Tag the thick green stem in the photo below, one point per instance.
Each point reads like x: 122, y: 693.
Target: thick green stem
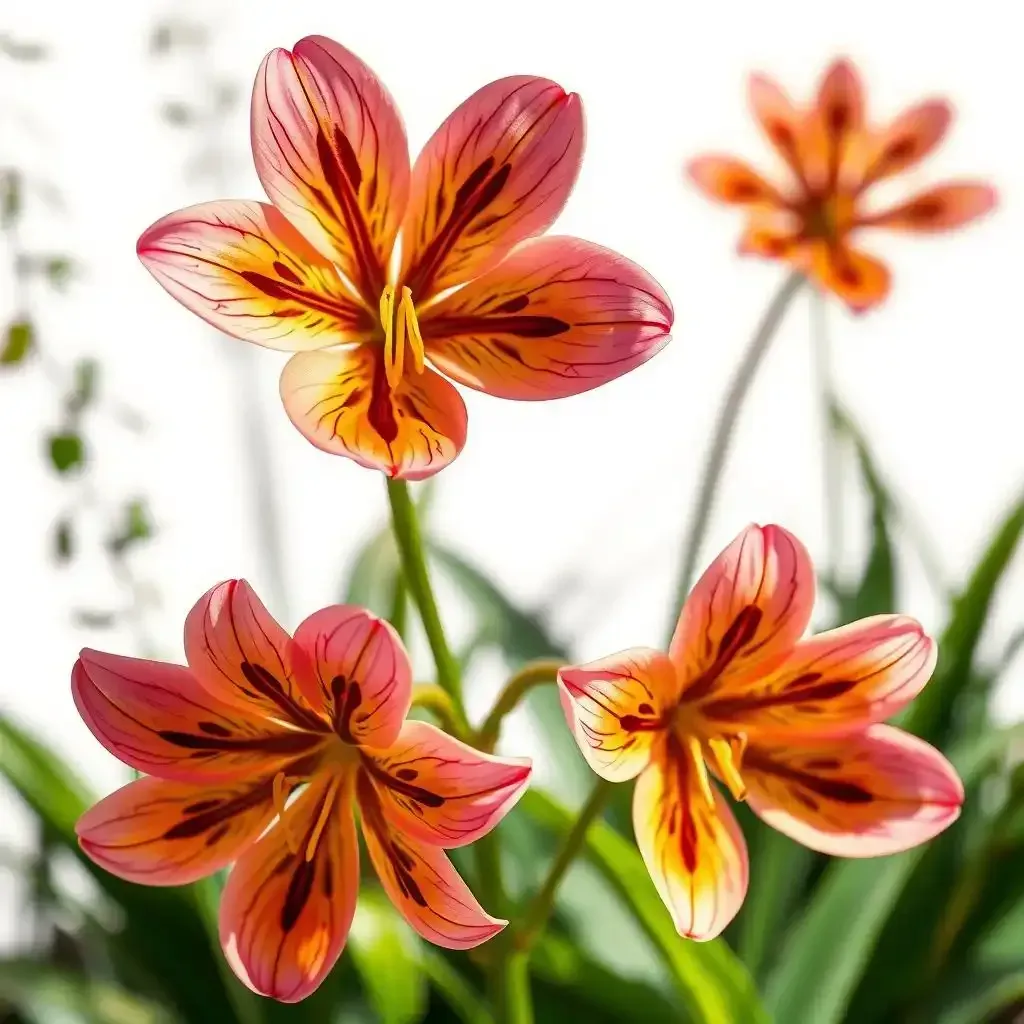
x: 539, y: 911
x: 414, y: 569
x: 531, y: 675
x: 725, y: 425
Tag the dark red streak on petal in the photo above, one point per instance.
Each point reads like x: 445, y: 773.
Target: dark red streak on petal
x: 288, y: 291
x: 403, y: 785
x: 380, y: 411
x: 740, y: 633
x: 204, y: 815
x: 278, y: 743
x: 680, y: 822
x: 267, y: 684
x: 519, y: 326
x: 402, y: 862
x: 735, y: 707
x: 831, y: 789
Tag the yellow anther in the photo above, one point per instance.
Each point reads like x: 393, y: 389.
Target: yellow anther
x: 400, y: 326
x: 697, y: 761
x: 321, y: 821
x: 413, y: 325
x: 280, y: 797
x: 726, y: 756
x: 387, y: 321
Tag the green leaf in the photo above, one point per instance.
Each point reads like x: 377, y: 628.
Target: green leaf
x: 374, y: 574
x: 389, y: 960
x: 10, y: 191
x: 59, y: 271
x: 135, y: 527
x: 461, y: 997
x: 18, y: 343
x: 63, y: 540
x: 711, y: 982
x: 66, y: 451
x: 84, y: 393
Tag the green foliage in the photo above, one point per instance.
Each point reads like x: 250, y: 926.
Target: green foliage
x: 18, y: 343
x: 67, y: 451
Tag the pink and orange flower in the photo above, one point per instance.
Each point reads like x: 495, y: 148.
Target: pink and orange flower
x: 791, y: 725
x: 369, y: 269
x: 259, y: 753
x: 835, y: 156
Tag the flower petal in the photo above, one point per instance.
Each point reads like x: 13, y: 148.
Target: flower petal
x: 421, y: 882
x: 772, y: 233
x: 244, y: 269
x: 158, y: 719
x: 558, y: 317
x: 866, y: 795
x: 908, y: 140
x: 939, y: 209
x: 440, y: 791
x: 858, y: 279
x: 835, y: 682
x: 696, y: 855
x: 785, y: 125
x: 745, y: 613
x: 342, y: 403
x: 498, y: 171
x: 836, y: 126
x: 617, y: 706
x: 331, y: 151
x: 242, y: 656
x: 354, y: 670
x: 284, y: 916
x: 732, y: 181
x: 157, y: 832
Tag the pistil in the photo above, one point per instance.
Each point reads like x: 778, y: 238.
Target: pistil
x: 400, y: 326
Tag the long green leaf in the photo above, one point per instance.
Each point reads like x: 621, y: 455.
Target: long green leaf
x: 712, y: 983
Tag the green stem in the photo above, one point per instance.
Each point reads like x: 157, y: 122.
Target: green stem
x: 438, y: 703
x: 539, y: 911
x: 827, y: 397
x: 414, y: 570
x: 531, y: 675
x: 728, y: 415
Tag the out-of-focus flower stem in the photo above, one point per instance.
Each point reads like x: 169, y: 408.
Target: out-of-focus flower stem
x: 728, y: 416
x: 826, y: 397
x: 531, y: 675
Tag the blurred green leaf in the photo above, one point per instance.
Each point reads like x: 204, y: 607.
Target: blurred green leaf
x: 59, y: 271
x: 18, y: 343
x: 83, y: 391
x: 63, y: 539
x: 177, y: 113
x: 388, y: 957
x: 135, y: 526
x: 66, y: 451
x: 712, y: 983
x: 373, y: 575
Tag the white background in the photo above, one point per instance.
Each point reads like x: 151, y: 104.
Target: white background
x: 595, y: 486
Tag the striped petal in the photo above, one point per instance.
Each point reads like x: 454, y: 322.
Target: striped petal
x: 421, y: 882
x: 617, y: 707
x: 440, y: 791
x: 355, y: 672
x: 342, y: 402
x: 331, y: 151
x: 558, y: 317
x: 836, y: 126
x: 694, y: 851
x: 859, y: 280
x: 942, y: 208
x: 244, y: 269
x: 732, y: 181
x: 786, y: 127
x: 160, y: 720
x: 287, y: 907
x: 498, y: 171
x: 745, y: 613
x: 157, y: 832
x: 907, y: 141
x: 866, y: 795
x: 835, y: 682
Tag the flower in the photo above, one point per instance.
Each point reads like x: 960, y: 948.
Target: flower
x: 369, y: 270
x: 835, y: 157
x: 229, y: 740
x: 789, y: 725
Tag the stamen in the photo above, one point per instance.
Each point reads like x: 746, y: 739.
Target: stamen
x: 413, y: 325
x: 387, y: 321
x: 727, y: 754
x: 697, y: 760
x: 280, y: 797
x: 321, y: 822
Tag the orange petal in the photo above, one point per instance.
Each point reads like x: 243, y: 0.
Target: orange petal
x: 499, y: 170
x: 331, y: 152
x: 835, y: 682
x: 244, y: 269
x: 342, y: 402
x: 617, y: 706
x: 695, y: 853
x: 157, y: 832
x: 772, y: 233
x: 242, y: 656
x: 837, y: 123
x: 858, y: 279
x: 441, y: 791
x: 866, y: 795
x: 158, y: 719
x: 284, y: 917
x: 421, y: 882
x: 354, y: 670
x: 732, y: 181
x: 745, y: 613
x: 558, y: 317
x: 939, y: 209
x: 909, y: 139
x: 785, y: 125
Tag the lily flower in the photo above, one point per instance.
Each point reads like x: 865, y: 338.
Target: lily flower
x: 259, y: 753
x: 792, y: 726
x: 377, y: 274
x: 835, y: 156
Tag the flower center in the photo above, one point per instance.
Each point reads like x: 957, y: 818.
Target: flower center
x: 400, y: 326
x: 829, y: 216
x: 721, y: 753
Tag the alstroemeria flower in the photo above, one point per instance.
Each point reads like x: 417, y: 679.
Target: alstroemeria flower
x: 373, y: 272
x: 790, y: 725
x: 256, y: 719
x: 835, y: 156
